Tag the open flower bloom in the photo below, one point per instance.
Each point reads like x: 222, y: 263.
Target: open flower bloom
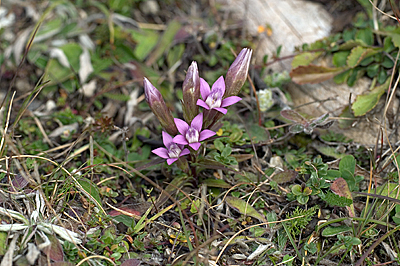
x: 212, y: 99
x: 172, y: 151
x: 192, y: 134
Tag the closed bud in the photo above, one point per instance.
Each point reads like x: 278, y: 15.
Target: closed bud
x: 159, y: 108
x: 237, y: 73
x: 191, y: 93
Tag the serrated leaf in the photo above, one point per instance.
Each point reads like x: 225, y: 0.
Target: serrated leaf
x: 366, y: 102
x: 244, y: 208
x: 305, y: 58
x: 358, y: 53
x: 314, y: 74
x: 91, y: 189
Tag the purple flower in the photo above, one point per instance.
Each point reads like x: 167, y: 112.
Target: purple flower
x: 191, y: 92
x: 157, y: 105
x: 237, y: 72
x: 212, y: 99
x: 172, y: 152
x: 192, y: 134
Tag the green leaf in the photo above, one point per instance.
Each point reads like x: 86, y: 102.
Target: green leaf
x: 332, y: 231
x: 146, y: 41
x: 175, y: 54
x: 244, y: 208
x: 219, y: 145
x: 314, y: 74
x: 347, y: 163
x: 3, y: 243
x: 342, y: 77
x: 366, y: 35
x: 216, y: 183
x: 226, y: 151
x: 339, y: 59
x: 358, y: 53
x: 165, y: 43
x: 366, y: 102
x: 305, y: 58
x: 258, y: 133
x: 90, y: 188
x: 284, y: 176
x: 350, y: 44
x: 296, y: 190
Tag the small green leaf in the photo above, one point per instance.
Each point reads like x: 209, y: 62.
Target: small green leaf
x: 146, y: 41
x: 347, y: 163
x: 216, y: 183
x: 226, y: 151
x: 366, y: 35
x: 305, y: 58
x: 296, y: 190
x: 219, y: 145
x: 332, y: 231
x: 258, y: 133
x: 244, y: 208
x: 366, y: 102
x: 339, y: 59
x: 90, y: 188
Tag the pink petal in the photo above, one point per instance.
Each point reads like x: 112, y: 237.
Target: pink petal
x: 205, y: 134
x: 204, y: 89
x: 230, y: 100
x: 202, y: 104
x: 184, y: 152
x: 179, y: 139
x: 219, y: 84
x: 181, y: 125
x: 197, y: 122
x: 222, y: 110
x: 162, y: 152
x: 167, y: 139
x: 171, y: 161
x: 195, y: 145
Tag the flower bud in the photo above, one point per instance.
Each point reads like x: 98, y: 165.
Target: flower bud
x: 159, y: 108
x: 237, y: 73
x: 191, y: 92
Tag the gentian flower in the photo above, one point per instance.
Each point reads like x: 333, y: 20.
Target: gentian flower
x: 192, y: 134
x: 157, y: 105
x: 212, y: 99
x: 172, y: 152
x: 237, y: 72
x: 191, y: 92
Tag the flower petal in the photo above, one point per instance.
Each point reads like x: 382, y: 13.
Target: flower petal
x: 167, y: 139
x: 181, y: 125
x: 171, y: 161
x: 179, y: 139
x: 205, y: 134
x: 204, y: 89
x: 230, y: 100
x: 184, y: 152
x: 197, y: 122
x: 162, y: 152
x: 202, y: 104
x: 195, y: 145
x: 222, y: 110
x: 219, y: 84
